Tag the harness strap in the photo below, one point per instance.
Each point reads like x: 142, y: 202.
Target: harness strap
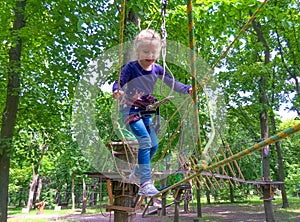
x: 141, y: 103
x: 137, y: 116
x: 151, y: 106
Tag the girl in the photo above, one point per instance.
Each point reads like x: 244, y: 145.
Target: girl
x: 137, y: 81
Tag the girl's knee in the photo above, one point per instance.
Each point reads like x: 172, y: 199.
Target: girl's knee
x: 153, y: 151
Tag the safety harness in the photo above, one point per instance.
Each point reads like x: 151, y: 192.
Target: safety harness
x: 147, y: 105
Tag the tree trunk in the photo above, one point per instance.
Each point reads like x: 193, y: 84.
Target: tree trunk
x: 207, y: 194
x: 84, y: 198
x: 31, y: 190
x: 131, y: 18
x: 269, y: 213
x: 285, y: 203
x: 20, y: 198
x: 9, y: 114
x: 73, y: 191
x: 263, y: 117
x: 35, y: 177
x: 38, y: 190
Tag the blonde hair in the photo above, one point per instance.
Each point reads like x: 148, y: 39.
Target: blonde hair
x: 145, y: 36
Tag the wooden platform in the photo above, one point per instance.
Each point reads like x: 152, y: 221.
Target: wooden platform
x: 103, y: 176
x: 120, y: 208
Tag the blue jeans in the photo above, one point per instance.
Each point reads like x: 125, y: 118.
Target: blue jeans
x: 145, y: 134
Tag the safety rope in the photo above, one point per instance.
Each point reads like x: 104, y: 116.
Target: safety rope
x: 120, y: 60
x: 164, y: 35
x: 127, y: 149
x: 193, y: 73
x: 122, y: 27
x: 164, y: 47
x: 191, y: 27
x: 163, y: 23
x: 243, y: 29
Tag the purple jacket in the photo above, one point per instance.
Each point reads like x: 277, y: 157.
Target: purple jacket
x: 135, y: 80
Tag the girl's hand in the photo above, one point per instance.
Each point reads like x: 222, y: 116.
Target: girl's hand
x: 117, y: 94
x: 190, y: 91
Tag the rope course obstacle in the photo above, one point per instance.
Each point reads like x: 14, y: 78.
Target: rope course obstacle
x: 196, y: 162
x: 255, y: 147
x: 204, y: 170
x: 200, y: 171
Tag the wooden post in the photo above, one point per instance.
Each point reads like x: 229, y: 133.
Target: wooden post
x: 231, y: 192
x: 125, y: 194
x: 163, y: 204
x: 109, y: 191
x: 177, y: 195
x: 199, y: 210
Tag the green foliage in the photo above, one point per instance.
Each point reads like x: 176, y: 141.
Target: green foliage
x: 290, y: 151
x: 292, y: 179
x: 60, y: 38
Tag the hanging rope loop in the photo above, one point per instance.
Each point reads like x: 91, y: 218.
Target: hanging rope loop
x: 164, y: 46
x: 122, y: 27
x: 163, y: 24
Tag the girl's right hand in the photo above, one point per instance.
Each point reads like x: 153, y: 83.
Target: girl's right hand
x: 118, y: 94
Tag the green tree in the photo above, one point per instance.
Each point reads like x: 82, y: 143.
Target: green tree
x: 60, y: 39
x: 9, y: 114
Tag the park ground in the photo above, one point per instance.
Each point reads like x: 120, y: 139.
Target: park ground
x: 244, y: 212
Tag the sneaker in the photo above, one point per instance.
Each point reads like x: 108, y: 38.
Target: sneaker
x: 133, y: 178
x: 147, y: 189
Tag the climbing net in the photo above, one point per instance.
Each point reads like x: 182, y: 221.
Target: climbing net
x: 179, y: 147
x: 183, y: 145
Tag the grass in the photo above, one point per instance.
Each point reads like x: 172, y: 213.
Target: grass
x: 292, y: 211
x: 290, y: 214
x: 251, y: 205
x: 45, y: 217
x: 16, y: 211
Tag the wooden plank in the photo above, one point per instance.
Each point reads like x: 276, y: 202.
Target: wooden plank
x: 103, y: 176
x: 120, y: 208
x: 131, y: 143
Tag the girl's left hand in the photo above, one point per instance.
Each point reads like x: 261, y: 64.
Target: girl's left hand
x: 190, y: 91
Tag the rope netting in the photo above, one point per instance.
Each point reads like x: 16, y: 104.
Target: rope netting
x: 185, y: 143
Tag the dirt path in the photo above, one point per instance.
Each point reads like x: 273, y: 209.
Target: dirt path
x: 215, y: 213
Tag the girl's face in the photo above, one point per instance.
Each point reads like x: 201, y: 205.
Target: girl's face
x: 148, y: 52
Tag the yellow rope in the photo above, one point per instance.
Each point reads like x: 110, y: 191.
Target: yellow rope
x: 206, y: 79
x: 120, y: 64
x: 122, y: 25
x: 258, y: 146
x: 243, y: 29
x: 193, y: 74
